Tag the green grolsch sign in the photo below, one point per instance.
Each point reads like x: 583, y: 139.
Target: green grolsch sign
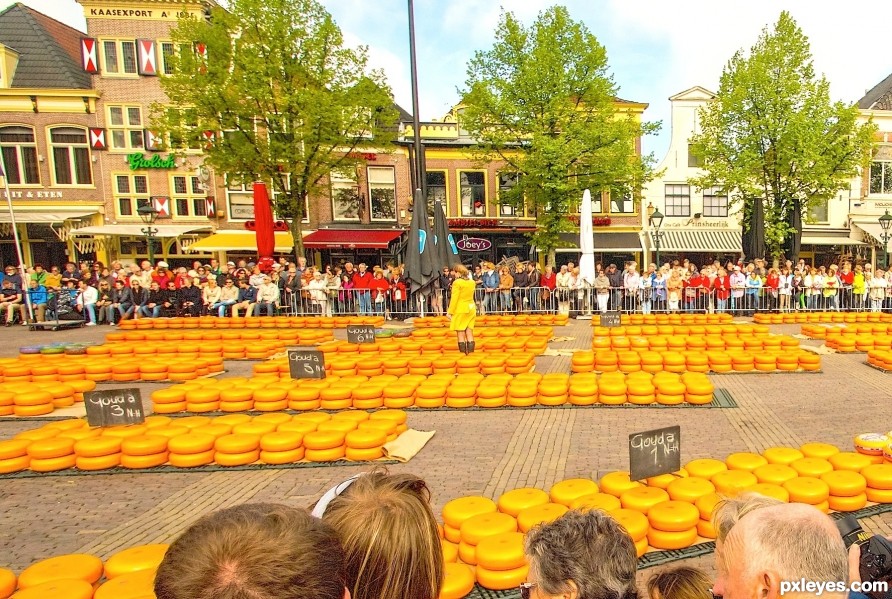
x: 139, y: 161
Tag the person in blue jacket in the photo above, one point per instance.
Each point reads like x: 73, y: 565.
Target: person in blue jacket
x: 37, y: 295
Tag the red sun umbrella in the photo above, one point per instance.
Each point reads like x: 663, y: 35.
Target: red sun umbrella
x: 263, y: 227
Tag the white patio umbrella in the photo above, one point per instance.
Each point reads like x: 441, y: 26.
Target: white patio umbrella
x: 587, y: 247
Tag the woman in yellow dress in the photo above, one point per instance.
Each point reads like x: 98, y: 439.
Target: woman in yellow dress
x: 462, y: 309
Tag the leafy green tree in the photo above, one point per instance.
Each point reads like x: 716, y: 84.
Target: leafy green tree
x: 288, y: 103
x: 542, y: 100
x: 775, y: 140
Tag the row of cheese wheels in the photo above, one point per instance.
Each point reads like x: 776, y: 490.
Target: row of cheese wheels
x: 820, y: 331
x: 670, y: 511
x: 875, y: 444
x: 447, y: 363
x: 40, y: 398
x: 695, y: 361
x: 497, y: 320
x: 179, y: 367
x: 299, y: 336
x: 395, y: 346
x: 813, y: 317
x: 696, y: 342
x: 683, y: 330
x: 261, y: 322
x: 674, y: 318
x: 230, y: 440
x: 127, y: 574
x: 230, y: 350
x: 881, y: 358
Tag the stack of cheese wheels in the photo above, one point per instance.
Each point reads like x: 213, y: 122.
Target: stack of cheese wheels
x: 872, y: 444
x: 458, y: 581
x: 326, y: 443
x: 237, y: 448
x: 191, y: 449
x: 673, y: 524
x: 501, y: 564
x: 478, y: 527
x: 33, y: 403
x: 73, y: 574
x: 144, y: 451
x: 49, y: 455
x: 281, y: 446
x: 692, y: 489
x: 456, y: 513
x: 98, y: 453
x: 879, y: 482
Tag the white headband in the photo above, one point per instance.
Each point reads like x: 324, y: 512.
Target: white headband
x: 322, y: 504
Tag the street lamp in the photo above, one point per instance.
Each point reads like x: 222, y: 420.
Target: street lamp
x: 656, y: 221
x: 885, y: 223
x: 148, y: 214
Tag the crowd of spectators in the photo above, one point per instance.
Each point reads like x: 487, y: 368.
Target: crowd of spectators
x: 374, y: 536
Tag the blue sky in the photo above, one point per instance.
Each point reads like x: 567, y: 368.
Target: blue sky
x: 655, y: 48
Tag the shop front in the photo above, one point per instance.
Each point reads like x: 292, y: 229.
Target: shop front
x: 698, y: 245
x: 129, y: 243
x: 826, y: 247
x: 374, y: 247
x: 611, y: 247
x: 44, y: 232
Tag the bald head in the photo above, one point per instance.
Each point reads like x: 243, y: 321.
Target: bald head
x: 778, y: 544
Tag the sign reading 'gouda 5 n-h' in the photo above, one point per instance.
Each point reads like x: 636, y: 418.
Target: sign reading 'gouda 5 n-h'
x: 136, y: 10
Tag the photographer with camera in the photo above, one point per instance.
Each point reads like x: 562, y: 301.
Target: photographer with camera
x: 870, y: 559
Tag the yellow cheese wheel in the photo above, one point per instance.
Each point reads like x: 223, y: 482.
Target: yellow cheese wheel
x: 879, y: 495
x: 135, y: 559
x: 514, y: 502
x: 233, y: 419
x: 13, y: 448
x: 169, y: 408
x: 849, y: 460
x: 689, y: 489
x: 878, y: 476
x: 847, y: 504
x: 33, y: 398
x: 191, y: 460
x: 662, y: 481
x: 397, y: 416
x: 81, y: 433
x: 103, y: 462
x: 191, y: 443
x: 814, y: 467
x: 732, y: 482
x: 642, y: 499
x: 57, y: 589
x: 770, y: 490
x: 55, y: 447
x: 450, y: 551
x: 501, y: 552
x: 123, y: 432
x: 483, y: 525
x: 136, y: 462
x: 281, y: 441
x: 142, y: 445
x: 596, y: 501
x: 634, y: 522
x: 364, y: 455
x: 7, y: 581
x: 76, y: 566
x: 673, y: 516
x: 871, y: 443
x: 782, y: 455
x: 237, y: 443
x: 501, y: 580
x: 660, y: 539
x: 744, y: 461
x: 320, y: 440
x: 467, y: 553
x: 37, y: 434
x: 775, y: 474
x: 706, y: 504
x: 53, y: 464
x: 705, y: 468
x: 845, y: 483
x: 237, y: 459
x: 453, y: 535
x: 458, y: 581
x: 325, y: 455
x: 819, y: 450
x: 806, y: 489
x: 539, y: 514
x: 135, y: 585
x: 455, y: 512
x: 38, y: 410
x: 282, y: 457
x: 18, y: 464
x: 568, y: 491
x: 706, y: 530
x: 641, y: 547
x: 365, y: 438
x: 617, y: 483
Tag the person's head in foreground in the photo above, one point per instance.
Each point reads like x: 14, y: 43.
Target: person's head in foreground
x: 389, y: 534
x: 776, y: 550
x: 680, y: 582
x: 254, y: 551
x: 581, y: 555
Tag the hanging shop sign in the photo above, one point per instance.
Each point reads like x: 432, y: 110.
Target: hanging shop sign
x: 139, y: 161
x: 473, y: 244
x: 484, y: 223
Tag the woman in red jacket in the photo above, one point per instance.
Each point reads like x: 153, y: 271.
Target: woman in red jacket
x: 379, y: 289
x: 721, y: 286
x: 397, y: 296
x: 772, y: 284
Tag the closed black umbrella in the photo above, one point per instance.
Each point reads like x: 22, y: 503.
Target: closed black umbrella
x: 446, y: 252
x: 794, y: 240
x: 419, y: 260
x: 754, y: 230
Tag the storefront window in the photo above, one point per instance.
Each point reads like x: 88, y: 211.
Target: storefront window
x: 473, y: 193
x: 19, y: 155
x: 71, y: 156
x: 382, y: 192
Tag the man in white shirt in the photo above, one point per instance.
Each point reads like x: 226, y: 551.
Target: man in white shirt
x: 267, y: 297
x: 632, y: 287
x: 87, y: 297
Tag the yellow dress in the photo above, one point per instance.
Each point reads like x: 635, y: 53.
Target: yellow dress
x: 462, y: 307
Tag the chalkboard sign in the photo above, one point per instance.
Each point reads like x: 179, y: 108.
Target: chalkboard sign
x: 306, y: 364
x: 611, y: 319
x: 655, y: 452
x: 361, y: 333
x: 112, y: 407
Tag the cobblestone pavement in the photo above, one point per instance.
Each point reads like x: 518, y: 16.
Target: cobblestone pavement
x: 475, y: 452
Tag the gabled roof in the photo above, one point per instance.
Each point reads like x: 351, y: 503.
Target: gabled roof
x: 49, y: 51
x: 693, y: 93
x: 878, y: 98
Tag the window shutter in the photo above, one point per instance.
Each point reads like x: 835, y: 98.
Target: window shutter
x: 98, y: 140
x: 148, y: 59
x: 153, y: 142
x: 162, y: 205
x: 88, y: 53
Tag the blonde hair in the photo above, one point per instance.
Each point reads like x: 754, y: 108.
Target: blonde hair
x: 461, y: 270
x: 389, y: 533
x: 682, y: 582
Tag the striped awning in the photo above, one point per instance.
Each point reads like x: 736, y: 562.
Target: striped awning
x: 699, y: 240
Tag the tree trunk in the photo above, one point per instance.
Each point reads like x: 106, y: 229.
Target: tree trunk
x: 297, y: 233
x: 794, y: 240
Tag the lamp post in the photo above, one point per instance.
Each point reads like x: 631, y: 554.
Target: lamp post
x: 885, y: 224
x: 148, y: 214
x: 656, y: 221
